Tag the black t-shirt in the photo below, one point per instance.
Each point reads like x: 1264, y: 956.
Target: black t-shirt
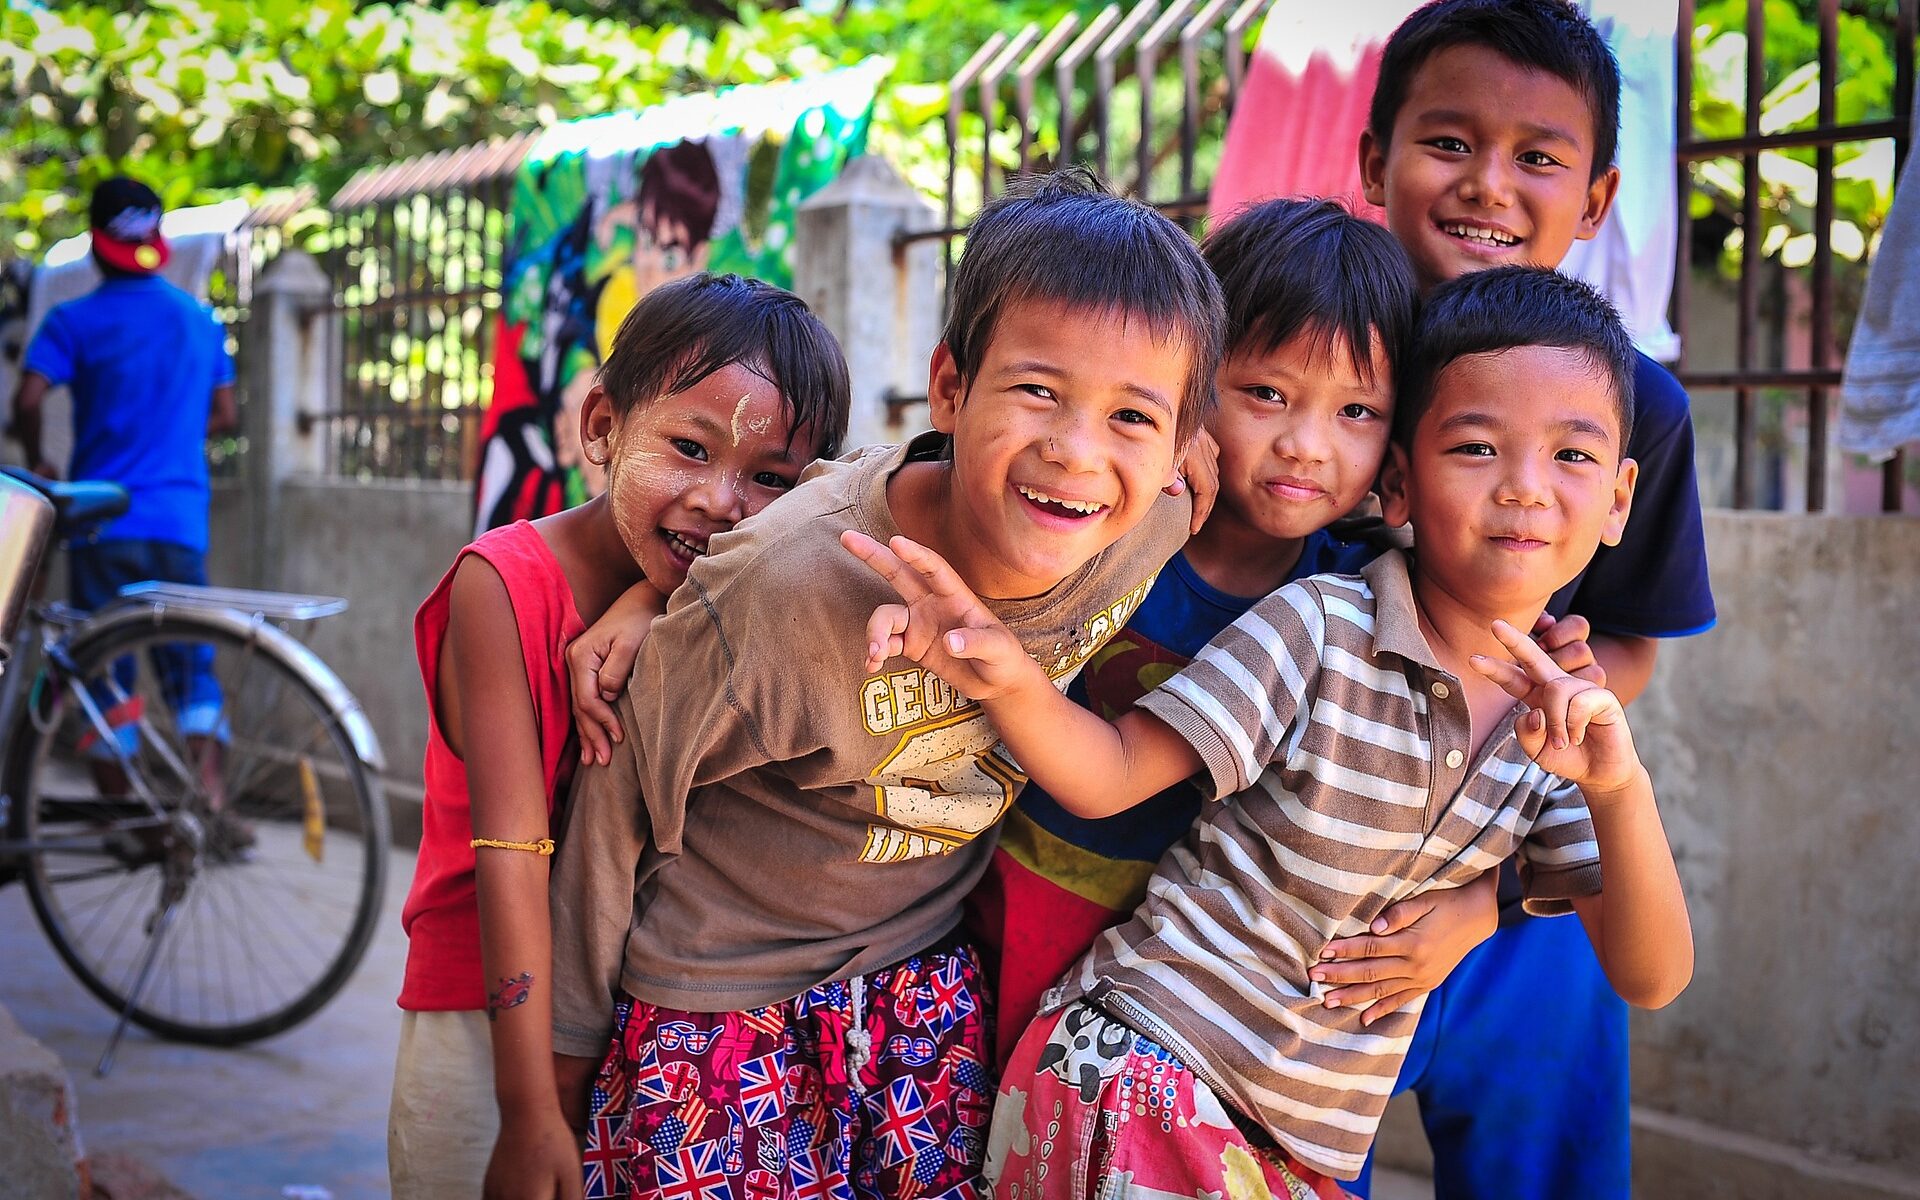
x: 1654, y: 583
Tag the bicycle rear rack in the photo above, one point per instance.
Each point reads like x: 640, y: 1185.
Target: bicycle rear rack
x: 273, y: 606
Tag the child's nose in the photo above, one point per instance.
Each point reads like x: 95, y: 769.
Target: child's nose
x: 1525, y: 482
x: 719, y: 496
x: 1070, y: 444
x: 1488, y: 181
x: 1305, y: 441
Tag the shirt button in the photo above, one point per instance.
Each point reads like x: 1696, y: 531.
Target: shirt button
x: 1454, y: 757
x: 1442, y: 691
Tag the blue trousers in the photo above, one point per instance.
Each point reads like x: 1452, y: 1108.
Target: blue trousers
x: 1520, y: 1066
x: 187, y: 683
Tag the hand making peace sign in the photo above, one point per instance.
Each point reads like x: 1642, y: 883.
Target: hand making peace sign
x: 1573, y: 727
x: 942, y: 625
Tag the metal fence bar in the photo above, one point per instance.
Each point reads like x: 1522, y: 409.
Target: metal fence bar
x: 1745, y: 432
x: 1146, y: 60
x: 957, y: 105
x: 1029, y: 72
x: 1893, y: 473
x: 990, y: 78
x: 1821, y: 350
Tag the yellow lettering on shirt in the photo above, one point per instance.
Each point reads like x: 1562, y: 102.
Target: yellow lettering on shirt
x: 948, y: 778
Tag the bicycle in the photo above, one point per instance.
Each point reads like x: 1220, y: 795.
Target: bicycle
x: 210, y: 866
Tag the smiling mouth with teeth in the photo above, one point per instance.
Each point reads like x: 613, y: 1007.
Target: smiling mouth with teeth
x: 1079, y: 508
x: 1484, y: 237
x: 686, y: 548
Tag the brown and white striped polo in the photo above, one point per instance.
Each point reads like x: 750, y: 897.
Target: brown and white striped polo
x: 1343, y: 747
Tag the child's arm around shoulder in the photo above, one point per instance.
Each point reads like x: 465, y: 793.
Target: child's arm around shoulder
x: 485, y: 696
x: 1578, y: 731
x: 1092, y: 768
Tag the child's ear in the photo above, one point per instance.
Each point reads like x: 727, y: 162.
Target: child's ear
x: 1392, y: 487
x: 945, y: 389
x: 597, y: 423
x: 1623, y: 481
x: 1373, y: 170
x: 1600, y: 194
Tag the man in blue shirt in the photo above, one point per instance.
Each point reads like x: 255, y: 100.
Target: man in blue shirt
x: 150, y: 376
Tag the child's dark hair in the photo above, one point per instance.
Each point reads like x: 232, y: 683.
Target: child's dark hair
x: 683, y: 331
x: 1288, y: 267
x: 1484, y: 312
x: 1065, y: 238
x: 1540, y: 35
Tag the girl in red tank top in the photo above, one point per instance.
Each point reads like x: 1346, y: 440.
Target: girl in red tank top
x: 716, y: 393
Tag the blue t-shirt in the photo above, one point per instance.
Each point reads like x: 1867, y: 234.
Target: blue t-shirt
x: 1180, y: 615
x: 142, y: 359
x: 1654, y: 583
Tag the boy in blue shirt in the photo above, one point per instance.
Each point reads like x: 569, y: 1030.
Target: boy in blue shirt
x: 150, y: 375
x: 1491, y: 141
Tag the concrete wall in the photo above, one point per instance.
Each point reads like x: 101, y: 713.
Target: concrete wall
x: 1783, y: 749
x: 383, y: 545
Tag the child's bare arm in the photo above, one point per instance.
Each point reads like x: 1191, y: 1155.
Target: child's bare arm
x: 1578, y: 731
x: 599, y: 662
x: 499, y: 742
x: 1092, y: 768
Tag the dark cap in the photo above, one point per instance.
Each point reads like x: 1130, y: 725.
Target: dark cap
x: 125, y: 215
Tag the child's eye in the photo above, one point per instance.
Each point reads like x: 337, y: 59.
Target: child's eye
x: 770, y: 479
x: 1357, y: 412
x: 691, y: 449
x: 1132, y: 416
x: 1473, y: 450
x: 1452, y: 145
x: 1267, y: 395
x: 1539, y: 158
x: 1577, y: 456
x: 1034, y: 389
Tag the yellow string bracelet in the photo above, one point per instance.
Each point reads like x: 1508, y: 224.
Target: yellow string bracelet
x: 543, y: 847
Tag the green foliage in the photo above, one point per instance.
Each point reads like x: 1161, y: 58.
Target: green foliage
x: 1863, y: 172
x: 208, y: 99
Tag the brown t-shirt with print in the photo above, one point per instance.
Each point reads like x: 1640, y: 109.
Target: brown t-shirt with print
x: 803, y: 821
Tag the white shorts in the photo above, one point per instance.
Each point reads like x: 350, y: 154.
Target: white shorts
x: 443, y: 1120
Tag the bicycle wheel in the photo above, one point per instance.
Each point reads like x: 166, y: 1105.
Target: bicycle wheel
x: 235, y: 803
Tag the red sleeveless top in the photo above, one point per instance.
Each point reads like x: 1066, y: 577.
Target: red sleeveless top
x: 442, y: 913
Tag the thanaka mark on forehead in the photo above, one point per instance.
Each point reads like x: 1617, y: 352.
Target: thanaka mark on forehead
x: 739, y: 410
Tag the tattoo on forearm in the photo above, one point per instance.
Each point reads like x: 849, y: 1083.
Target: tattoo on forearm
x: 512, y: 994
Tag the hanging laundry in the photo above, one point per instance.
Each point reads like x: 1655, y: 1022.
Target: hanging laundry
x: 1880, y: 389
x: 607, y: 208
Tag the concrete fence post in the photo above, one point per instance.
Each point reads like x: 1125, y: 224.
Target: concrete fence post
x: 287, y: 364
x: 881, y: 299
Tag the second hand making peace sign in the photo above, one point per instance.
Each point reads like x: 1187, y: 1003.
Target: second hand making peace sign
x: 941, y: 625
x: 1572, y: 727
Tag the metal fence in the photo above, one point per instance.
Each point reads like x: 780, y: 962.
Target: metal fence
x: 1143, y: 94
x: 1139, y: 91
x: 1783, y: 372
x: 260, y: 237
x: 415, y: 254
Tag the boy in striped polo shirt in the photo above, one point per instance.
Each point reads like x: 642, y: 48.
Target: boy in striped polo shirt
x: 1364, y: 733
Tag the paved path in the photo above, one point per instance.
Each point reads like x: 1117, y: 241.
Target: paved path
x: 307, y: 1109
